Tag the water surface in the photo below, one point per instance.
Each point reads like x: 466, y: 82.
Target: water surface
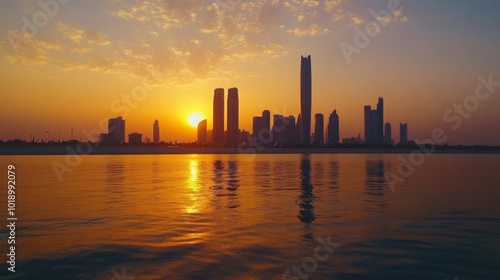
x: 244, y: 217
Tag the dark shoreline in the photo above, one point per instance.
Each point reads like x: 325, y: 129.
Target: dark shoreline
x: 146, y: 150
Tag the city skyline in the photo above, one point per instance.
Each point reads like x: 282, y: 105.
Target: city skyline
x: 76, y: 72
x: 376, y: 132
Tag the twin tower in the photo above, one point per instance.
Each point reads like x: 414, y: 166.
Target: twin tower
x: 219, y: 137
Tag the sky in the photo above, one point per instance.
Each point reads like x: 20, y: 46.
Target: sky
x: 74, y: 64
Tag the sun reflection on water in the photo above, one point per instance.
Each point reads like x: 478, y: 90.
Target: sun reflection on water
x: 195, y: 197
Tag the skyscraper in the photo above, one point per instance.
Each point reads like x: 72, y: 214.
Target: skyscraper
x: 266, y: 135
x: 380, y: 121
x: 319, y: 125
x: 374, y: 126
x: 388, y: 134
x: 290, y: 132
x: 305, y: 99
x: 374, y: 120
x: 298, y: 129
x: 333, y: 128
x: 257, y: 127
x: 262, y: 128
x: 403, y: 133
x: 218, y: 117
x: 156, y: 132
x: 368, y: 111
x: 202, y: 132
x: 233, y: 130
x: 279, y: 123
x: 209, y: 136
x: 266, y: 119
x: 116, y: 130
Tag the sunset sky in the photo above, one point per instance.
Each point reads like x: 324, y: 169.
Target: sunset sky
x: 78, y: 65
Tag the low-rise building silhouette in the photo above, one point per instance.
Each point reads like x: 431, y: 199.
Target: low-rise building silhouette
x: 135, y: 138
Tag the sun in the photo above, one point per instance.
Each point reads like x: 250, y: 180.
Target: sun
x: 194, y: 118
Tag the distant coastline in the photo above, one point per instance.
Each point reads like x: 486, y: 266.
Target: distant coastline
x: 65, y: 149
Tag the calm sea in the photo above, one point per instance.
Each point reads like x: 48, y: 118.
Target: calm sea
x: 262, y: 217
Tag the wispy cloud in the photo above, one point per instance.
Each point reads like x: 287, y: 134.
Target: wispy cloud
x: 79, y: 35
x: 165, y: 14
x: 187, y: 40
x: 354, y: 19
x: 310, y: 30
x: 396, y: 17
x: 81, y: 50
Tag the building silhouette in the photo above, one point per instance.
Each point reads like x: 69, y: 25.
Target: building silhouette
x: 388, y: 134
x: 305, y: 100
x: 374, y: 119
x: 333, y: 130
x: 403, y: 133
x: 262, y: 128
x: 233, y: 133
x: 218, y: 117
x: 380, y: 121
x: 266, y: 135
x: 319, y: 125
x: 156, y: 132
x: 209, y: 136
x: 116, y: 131
x: 266, y: 120
x: 135, y: 138
x: 298, y: 129
x: 290, y: 131
x: 105, y: 139
x: 202, y: 132
x: 257, y: 127
x: 374, y: 126
x: 358, y: 139
x: 368, y: 136
x: 279, y: 123
x: 244, y: 137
